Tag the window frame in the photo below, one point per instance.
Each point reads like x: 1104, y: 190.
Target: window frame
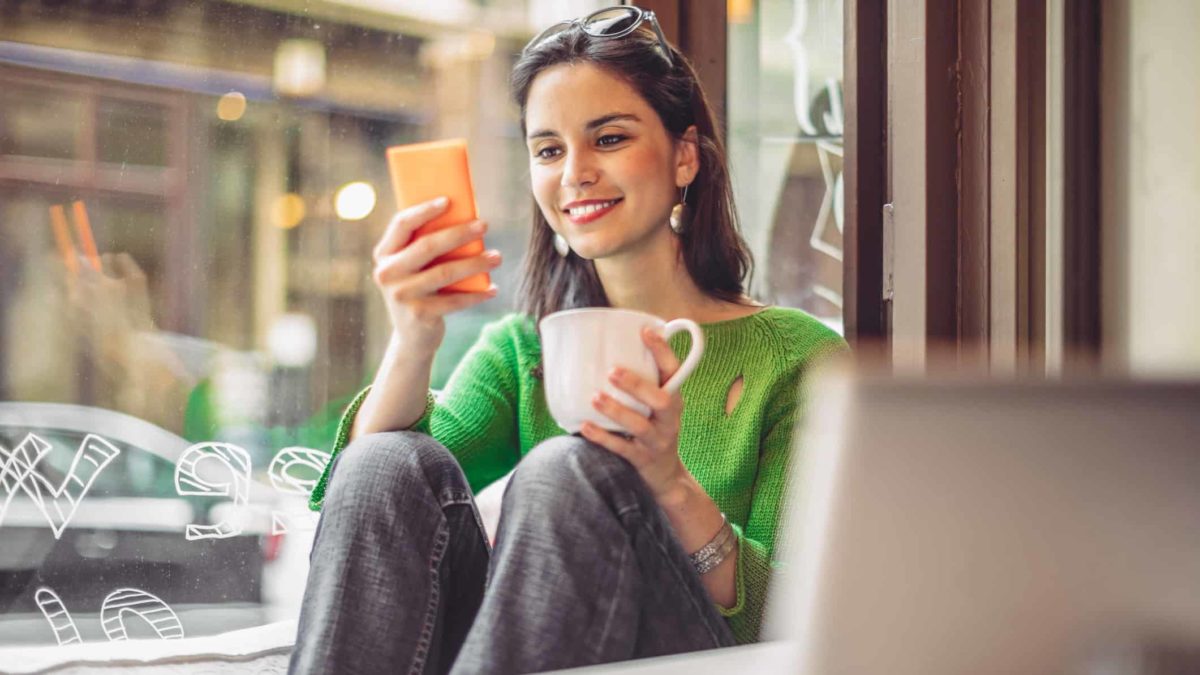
x: 699, y: 29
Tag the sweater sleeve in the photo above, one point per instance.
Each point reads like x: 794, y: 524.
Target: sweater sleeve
x: 756, y: 539
x: 475, y: 416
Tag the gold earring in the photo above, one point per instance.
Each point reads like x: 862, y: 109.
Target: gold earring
x: 677, y: 212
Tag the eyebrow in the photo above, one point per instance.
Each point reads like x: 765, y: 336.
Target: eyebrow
x: 594, y: 124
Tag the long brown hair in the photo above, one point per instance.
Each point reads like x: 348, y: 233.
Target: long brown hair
x: 713, y: 250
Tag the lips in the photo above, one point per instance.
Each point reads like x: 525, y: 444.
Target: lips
x: 582, y: 212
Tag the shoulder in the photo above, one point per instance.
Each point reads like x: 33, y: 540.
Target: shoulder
x: 797, y: 337
x: 512, y: 323
x: 512, y: 332
x: 794, y: 342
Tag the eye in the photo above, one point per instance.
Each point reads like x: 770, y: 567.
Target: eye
x: 546, y: 152
x: 610, y: 139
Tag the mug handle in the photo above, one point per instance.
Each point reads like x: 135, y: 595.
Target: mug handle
x: 693, y: 358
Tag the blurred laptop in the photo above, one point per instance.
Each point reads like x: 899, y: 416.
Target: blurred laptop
x: 950, y: 526
x: 982, y: 527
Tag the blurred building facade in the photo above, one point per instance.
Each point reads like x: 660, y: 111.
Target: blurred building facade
x: 209, y: 142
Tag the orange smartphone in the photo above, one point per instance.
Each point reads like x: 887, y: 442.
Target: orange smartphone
x: 424, y: 171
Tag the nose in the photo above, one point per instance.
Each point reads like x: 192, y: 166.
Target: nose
x: 579, y: 170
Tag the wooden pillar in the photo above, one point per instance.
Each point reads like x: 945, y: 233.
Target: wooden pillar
x: 698, y: 28
x: 967, y: 154
x: 865, y: 91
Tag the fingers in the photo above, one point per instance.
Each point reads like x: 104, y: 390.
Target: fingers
x: 617, y: 444
x: 399, y: 231
x: 638, y: 425
x: 650, y: 393
x: 409, y: 279
x: 664, y: 356
x: 135, y: 287
x: 441, y: 305
x: 419, y: 254
x: 123, y: 265
x: 394, y: 275
x: 108, y: 263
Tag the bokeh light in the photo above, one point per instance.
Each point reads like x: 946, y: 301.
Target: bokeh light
x: 288, y: 211
x: 739, y: 11
x: 355, y: 201
x: 232, y: 106
x: 292, y: 340
x: 299, y: 68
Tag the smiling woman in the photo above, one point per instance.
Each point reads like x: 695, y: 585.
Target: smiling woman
x: 610, y: 546
x: 625, y: 125
x: 605, y: 184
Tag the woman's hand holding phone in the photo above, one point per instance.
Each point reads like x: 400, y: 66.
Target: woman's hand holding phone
x: 410, y: 289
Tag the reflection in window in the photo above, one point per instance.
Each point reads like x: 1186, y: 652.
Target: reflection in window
x: 208, y: 143
x: 131, y: 132
x: 785, y: 139
x: 39, y: 122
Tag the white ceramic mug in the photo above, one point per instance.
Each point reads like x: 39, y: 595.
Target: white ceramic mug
x: 581, y: 346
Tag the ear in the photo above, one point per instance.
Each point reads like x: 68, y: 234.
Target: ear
x: 687, y: 157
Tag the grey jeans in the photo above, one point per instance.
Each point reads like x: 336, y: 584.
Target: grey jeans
x: 586, y: 568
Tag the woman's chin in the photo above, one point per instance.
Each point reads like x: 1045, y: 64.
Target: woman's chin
x: 585, y: 253
x: 591, y: 249
x: 597, y: 251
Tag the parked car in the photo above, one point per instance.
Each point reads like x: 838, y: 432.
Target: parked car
x: 128, y: 530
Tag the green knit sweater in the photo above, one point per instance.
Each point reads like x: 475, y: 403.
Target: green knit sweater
x: 493, y: 411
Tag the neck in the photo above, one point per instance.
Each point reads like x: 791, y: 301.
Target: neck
x: 654, y: 279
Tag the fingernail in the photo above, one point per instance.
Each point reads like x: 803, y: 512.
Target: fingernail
x: 492, y: 255
x: 441, y: 201
x: 478, y: 227
x: 617, y: 373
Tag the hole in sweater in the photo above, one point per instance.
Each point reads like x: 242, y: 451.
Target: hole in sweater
x: 735, y: 393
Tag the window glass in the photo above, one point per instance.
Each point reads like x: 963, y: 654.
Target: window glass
x: 38, y: 122
x: 131, y: 132
x: 785, y: 139
x: 166, y: 405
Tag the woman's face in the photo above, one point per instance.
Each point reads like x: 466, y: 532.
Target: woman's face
x: 605, y: 172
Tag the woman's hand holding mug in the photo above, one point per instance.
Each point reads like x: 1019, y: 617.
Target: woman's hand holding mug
x: 652, y: 446
x: 410, y: 291
x: 610, y: 375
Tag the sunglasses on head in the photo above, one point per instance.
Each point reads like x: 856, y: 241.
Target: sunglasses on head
x: 612, y: 22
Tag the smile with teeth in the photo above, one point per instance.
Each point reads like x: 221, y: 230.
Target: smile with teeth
x: 587, y: 209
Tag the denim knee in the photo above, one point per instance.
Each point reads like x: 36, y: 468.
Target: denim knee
x: 558, y: 471
x: 377, y: 464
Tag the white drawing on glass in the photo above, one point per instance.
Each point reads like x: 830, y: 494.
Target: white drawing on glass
x: 58, y: 617
x: 18, y: 469
x: 835, y: 117
x: 189, y: 483
x: 282, y: 473
x: 10, y: 477
x: 795, y: 39
x: 113, y: 612
x: 148, y: 607
x: 831, y: 121
x: 831, y: 209
x: 288, y: 459
x: 819, y: 113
